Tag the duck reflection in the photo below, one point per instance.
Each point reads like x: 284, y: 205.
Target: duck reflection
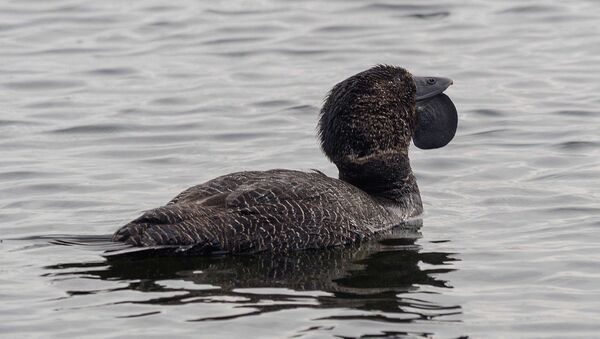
x: 379, y: 276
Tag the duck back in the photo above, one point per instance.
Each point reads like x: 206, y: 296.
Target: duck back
x: 275, y: 210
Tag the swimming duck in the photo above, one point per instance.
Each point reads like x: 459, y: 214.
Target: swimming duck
x: 365, y: 127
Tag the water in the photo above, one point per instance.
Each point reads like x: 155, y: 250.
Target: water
x: 110, y: 108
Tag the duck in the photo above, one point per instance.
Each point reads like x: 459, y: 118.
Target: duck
x: 365, y: 127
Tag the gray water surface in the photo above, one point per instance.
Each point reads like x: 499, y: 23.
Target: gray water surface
x: 110, y: 108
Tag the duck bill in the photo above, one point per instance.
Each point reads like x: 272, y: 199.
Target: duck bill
x: 437, y: 115
x: 428, y: 87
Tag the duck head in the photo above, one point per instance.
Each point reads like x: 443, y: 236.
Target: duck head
x: 368, y: 121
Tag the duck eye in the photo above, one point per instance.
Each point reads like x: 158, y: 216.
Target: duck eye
x: 431, y: 81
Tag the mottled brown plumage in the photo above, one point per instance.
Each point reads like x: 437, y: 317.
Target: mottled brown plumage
x: 258, y: 211
x: 365, y: 127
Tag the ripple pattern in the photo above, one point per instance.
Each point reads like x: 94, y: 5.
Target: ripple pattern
x: 111, y: 107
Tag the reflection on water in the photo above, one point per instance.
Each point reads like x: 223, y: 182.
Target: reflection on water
x: 377, y: 276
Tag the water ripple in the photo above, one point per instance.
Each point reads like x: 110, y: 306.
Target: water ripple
x: 110, y: 108
x: 38, y: 85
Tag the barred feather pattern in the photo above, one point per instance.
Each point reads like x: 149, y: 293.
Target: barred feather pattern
x: 255, y: 211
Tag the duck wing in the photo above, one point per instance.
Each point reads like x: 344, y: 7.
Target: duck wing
x: 258, y: 211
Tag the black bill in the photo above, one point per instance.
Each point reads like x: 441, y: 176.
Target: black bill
x: 428, y: 87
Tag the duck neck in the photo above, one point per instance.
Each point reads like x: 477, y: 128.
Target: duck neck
x: 387, y: 177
